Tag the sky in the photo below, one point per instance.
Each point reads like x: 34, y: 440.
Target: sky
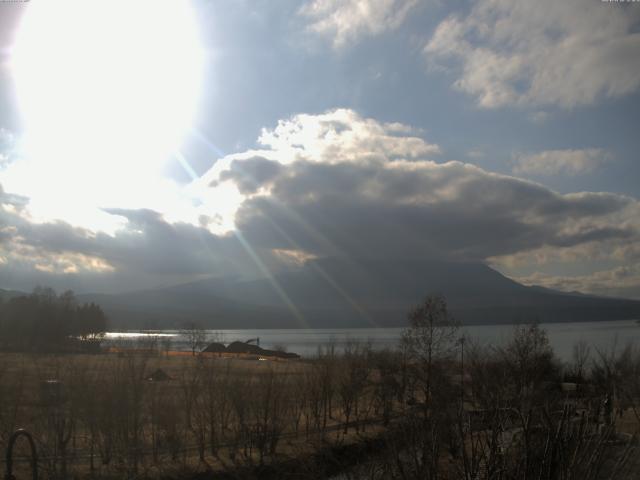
x: 156, y: 143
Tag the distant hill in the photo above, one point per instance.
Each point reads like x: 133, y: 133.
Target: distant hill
x: 333, y: 293
x: 9, y: 294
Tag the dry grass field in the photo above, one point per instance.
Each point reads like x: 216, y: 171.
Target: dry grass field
x: 413, y: 413
x: 138, y: 414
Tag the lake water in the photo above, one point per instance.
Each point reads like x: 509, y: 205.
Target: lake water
x: 562, y: 336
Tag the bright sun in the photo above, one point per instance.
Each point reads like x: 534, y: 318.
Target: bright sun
x: 107, y: 90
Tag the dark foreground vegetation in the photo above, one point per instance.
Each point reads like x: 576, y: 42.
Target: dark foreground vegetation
x: 437, y: 407
x: 46, y: 322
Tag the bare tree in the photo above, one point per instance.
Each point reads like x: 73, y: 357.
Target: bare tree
x: 195, y: 335
x: 580, y: 356
x: 385, y: 388
x: 193, y: 404
x: 217, y: 382
x: 353, y: 378
x: 268, y: 408
x: 325, y: 366
x: 430, y: 337
x: 530, y: 361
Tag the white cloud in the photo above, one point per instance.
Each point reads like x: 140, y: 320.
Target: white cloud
x: 553, y: 162
x: 343, y: 135
x: 548, y: 52
x: 345, y: 21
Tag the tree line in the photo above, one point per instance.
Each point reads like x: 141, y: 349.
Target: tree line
x: 46, y: 321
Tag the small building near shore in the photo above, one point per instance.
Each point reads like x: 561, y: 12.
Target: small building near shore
x: 242, y: 347
x: 247, y: 350
x: 215, y: 347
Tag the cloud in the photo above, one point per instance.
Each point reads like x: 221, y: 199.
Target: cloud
x: 352, y: 188
x: 565, y: 53
x: 343, y: 135
x: 24, y: 261
x: 148, y: 250
x: 251, y: 174
x: 332, y: 184
x: 336, y: 136
x: 623, y: 281
x: 149, y: 247
x: 424, y: 210
x: 554, y: 162
x: 345, y: 22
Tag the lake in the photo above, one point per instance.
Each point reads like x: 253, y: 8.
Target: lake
x: 305, y: 342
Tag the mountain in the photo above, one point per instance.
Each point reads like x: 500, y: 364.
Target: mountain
x: 331, y: 293
x: 6, y: 295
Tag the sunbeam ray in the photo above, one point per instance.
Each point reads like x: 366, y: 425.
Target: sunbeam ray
x: 274, y: 283
x: 184, y: 163
x: 341, y: 291
x: 203, y: 139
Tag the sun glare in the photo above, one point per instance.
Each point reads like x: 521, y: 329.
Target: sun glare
x: 106, y: 92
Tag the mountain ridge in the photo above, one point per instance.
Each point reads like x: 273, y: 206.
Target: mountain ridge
x: 355, y: 293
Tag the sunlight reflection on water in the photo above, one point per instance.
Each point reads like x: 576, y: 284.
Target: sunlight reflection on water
x: 562, y: 336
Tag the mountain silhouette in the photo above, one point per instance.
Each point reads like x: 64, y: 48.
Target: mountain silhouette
x: 330, y: 293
